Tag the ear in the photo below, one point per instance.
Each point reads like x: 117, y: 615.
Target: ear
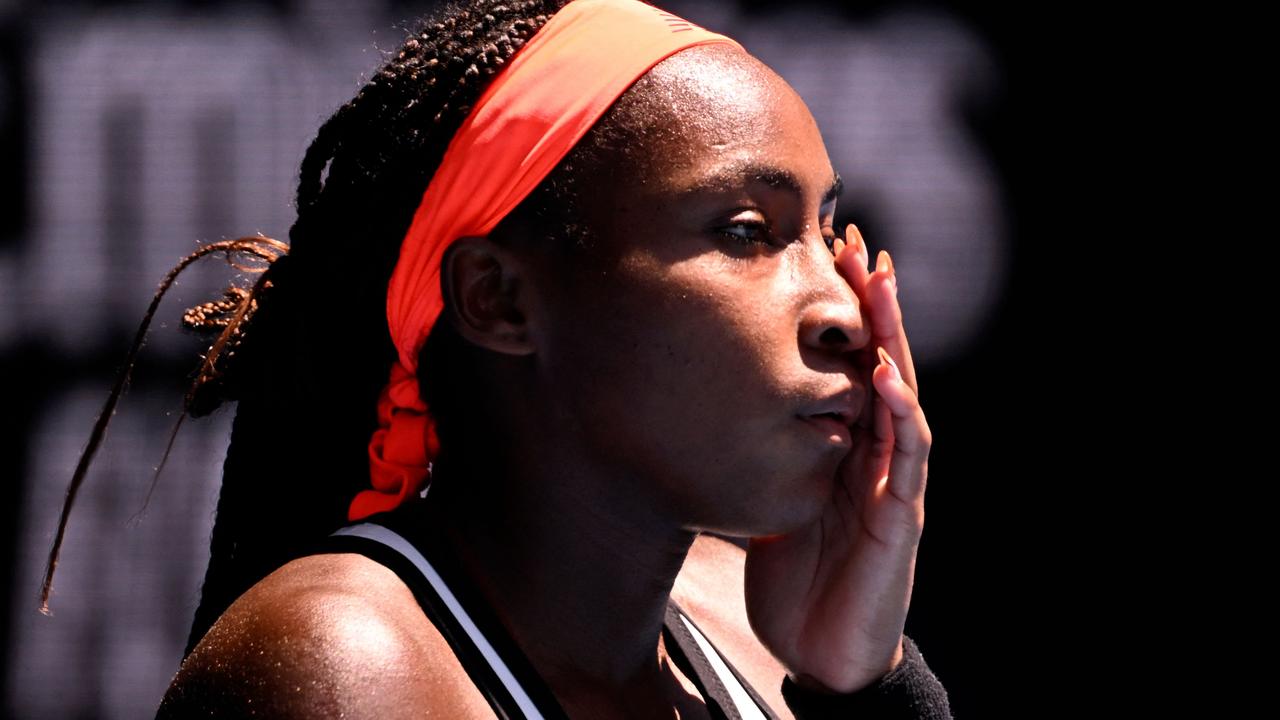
x: 484, y: 287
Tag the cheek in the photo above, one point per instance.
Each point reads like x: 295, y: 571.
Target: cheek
x: 687, y: 389
x: 670, y: 356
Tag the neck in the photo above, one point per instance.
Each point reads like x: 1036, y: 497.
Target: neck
x: 578, y: 565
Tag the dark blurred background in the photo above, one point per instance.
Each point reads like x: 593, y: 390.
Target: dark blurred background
x: 130, y: 132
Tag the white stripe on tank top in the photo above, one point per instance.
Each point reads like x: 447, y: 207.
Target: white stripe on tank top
x: 746, y: 707
x: 393, y: 540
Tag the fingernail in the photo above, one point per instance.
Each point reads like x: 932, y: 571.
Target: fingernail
x: 858, y: 245
x: 838, y: 246
x: 884, y: 264
x: 884, y: 357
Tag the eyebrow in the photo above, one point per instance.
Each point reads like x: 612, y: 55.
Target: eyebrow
x: 770, y: 175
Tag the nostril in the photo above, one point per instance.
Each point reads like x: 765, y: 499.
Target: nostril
x: 833, y: 336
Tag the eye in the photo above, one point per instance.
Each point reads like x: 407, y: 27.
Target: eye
x: 753, y: 232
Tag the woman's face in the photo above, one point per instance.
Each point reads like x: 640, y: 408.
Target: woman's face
x: 694, y: 342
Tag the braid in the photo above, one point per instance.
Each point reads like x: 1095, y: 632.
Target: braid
x: 317, y: 157
x: 309, y: 373
x: 306, y: 350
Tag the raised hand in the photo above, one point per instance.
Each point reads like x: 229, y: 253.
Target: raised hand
x: 830, y: 600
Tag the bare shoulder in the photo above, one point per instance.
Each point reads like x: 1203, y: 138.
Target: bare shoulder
x: 710, y: 590
x: 330, y: 635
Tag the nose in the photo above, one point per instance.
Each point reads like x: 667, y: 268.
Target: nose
x: 831, y: 319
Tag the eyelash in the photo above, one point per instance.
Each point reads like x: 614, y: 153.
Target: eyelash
x: 830, y: 240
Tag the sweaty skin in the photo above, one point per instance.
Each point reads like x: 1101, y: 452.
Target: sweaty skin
x: 661, y: 384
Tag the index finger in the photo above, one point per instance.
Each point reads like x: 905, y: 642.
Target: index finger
x: 881, y: 310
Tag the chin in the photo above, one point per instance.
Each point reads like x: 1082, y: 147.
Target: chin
x: 795, y: 503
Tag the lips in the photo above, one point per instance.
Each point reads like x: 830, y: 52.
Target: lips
x: 843, y: 417
x: 835, y: 414
x: 831, y: 428
x: 840, y: 407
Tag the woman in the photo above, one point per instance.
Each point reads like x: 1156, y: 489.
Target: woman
x: 597, y: 354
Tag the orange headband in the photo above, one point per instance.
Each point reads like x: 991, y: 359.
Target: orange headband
x: 549, y: 94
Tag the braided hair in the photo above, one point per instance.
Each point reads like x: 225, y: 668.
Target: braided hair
x: 324, y: 349
x: 306, y: 351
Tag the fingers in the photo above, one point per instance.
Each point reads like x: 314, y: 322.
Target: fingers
x: 896, y: 418
x: 879, y: 291
x: 911, y: 438
x: 852, y: 264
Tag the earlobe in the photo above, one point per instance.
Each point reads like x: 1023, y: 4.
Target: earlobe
x: 482, y: 285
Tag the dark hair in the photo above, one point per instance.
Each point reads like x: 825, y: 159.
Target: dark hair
x: 325, y: 350
x: 306, y: 351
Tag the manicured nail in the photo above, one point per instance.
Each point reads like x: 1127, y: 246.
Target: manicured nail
x: 884, y: 264
x: 858, y: 245
x: 884, y: 357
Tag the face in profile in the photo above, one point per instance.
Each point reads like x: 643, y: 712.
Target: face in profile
x: 710, y: 321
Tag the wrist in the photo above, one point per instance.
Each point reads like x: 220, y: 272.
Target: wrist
x: 910, y: 691
x: 808, y: 682
x: 813, y: 684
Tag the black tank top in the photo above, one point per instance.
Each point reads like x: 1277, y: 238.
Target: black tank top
x: 497, y: 666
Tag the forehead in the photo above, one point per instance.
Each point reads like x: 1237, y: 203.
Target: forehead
x: 720, y: 118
